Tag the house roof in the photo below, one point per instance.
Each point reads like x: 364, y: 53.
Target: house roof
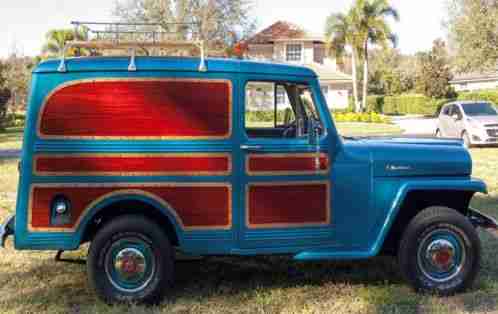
x: 327, y: 73
x: 282, y: 31
x: 476, y: 77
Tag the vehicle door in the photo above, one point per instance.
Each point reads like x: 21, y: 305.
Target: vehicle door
x: 444, y: 120
x: 452, y: 129
x: 284, y: 165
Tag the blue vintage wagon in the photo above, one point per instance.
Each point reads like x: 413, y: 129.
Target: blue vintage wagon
x: 142, y: 155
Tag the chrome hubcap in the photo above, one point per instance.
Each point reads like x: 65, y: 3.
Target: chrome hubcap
x: 441, y: 255
x: 130, y: 264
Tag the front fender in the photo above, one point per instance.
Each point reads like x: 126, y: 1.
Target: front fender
x: 390, y: 194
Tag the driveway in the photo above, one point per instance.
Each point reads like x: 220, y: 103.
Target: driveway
x: 416, y: 125
x: 10, y: 153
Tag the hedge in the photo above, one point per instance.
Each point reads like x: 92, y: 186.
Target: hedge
x: 420, y: 104
x: 488, y: 95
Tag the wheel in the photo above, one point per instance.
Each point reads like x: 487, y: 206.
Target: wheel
x: 440, y: 252
x: 130, y: 260
x: 438, y: 133
x: 466, y: 140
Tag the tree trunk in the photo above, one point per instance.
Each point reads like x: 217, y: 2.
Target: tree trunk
x: 355, y: 81
x: 365, y: 77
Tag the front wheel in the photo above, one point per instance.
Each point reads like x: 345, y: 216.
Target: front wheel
x: 440, y: 252
x: 130, y: 260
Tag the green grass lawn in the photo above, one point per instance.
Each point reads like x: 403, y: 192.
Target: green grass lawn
x: 11, y: 139
x: 31, y: 282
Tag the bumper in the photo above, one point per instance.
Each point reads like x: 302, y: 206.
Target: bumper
x: 480, y: 139
x: 481, y: 220
x: 6, y: 230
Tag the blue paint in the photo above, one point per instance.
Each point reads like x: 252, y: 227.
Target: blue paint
x: 366, y: 191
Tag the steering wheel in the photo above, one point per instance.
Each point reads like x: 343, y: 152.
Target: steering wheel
x: 290, y: 130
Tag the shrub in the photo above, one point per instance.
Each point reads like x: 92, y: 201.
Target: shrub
x: 371, y: 117
x: 488, y: 95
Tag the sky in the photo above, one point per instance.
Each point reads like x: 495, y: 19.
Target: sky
x: 24, y: 23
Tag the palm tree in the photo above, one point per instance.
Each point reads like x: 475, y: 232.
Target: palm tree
x: 339, y: 32
x: 56, y: 40
x: 369, y: 18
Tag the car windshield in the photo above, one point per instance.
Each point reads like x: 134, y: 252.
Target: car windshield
x: 479, y: 109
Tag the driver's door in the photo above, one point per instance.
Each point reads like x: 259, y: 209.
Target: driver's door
x: 285, y: 179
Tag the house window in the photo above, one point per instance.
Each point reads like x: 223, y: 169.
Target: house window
x: 294, y: 52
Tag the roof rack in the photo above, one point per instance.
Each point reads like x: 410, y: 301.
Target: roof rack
x: 133, y: 36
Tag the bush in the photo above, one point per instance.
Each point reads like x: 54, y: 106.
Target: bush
x: 371, y: 117
x: 488, y: 95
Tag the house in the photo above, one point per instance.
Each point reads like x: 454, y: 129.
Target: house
x: 475, y: 81
x: 289, y: 43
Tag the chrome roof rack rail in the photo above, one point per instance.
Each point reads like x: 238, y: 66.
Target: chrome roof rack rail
x: 132, y: 36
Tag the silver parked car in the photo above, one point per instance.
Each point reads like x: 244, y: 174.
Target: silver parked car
x: 476, y: 122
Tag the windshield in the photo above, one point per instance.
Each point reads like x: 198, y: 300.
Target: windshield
x: 479, y: 109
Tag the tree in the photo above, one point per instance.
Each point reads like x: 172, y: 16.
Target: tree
x: 434, y: 73
x: 212, y: 20
x: 4, y: 97
x: 369, y: 18
x: 473, y: 34
x: 17, y: 79
x: 56, y: 40
x: 390, y: 72
x: 340, y: 35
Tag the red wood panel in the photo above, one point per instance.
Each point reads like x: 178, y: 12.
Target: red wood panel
x: 201, y: 164
x: 286, y: 164
x: 197, y: 207
x: 274, y: 205
x: 139, y: 109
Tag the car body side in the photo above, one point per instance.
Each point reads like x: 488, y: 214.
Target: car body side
x: 374, y: 187
x: 479, y: 132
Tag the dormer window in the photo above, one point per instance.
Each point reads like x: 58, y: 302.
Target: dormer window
x: 294, y: 52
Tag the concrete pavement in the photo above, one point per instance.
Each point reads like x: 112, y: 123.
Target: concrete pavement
x: 10, y: 153
x: 416, y: 125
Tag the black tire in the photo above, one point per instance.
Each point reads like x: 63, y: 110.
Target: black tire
x: 426, y: 226
x: 466, y: 140
x: 438, y: 133
x: 127, y: 235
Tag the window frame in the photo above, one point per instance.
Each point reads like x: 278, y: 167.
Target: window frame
x: 293, y: 53
x: 277, y: 82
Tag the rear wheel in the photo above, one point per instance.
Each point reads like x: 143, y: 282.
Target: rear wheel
x: 440, y: 252
x: 130, y: 260
x: 438, y: 133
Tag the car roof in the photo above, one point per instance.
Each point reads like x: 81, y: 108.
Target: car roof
x: 101, y: 64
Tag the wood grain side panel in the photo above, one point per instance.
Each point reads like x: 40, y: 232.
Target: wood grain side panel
x: 138, y: 108
x: 286, y: 164
x: 197, y: 207
x: 133, y: 165
x: 280, y: 205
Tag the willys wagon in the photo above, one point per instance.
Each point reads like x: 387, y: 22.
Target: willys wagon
x: 144, y: 155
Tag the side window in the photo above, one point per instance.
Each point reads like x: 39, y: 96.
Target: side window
x: 278, y: 110
x: 446, y: 110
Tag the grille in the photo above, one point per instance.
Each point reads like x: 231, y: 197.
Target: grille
x: 493, y: 133
x: 491, y: 125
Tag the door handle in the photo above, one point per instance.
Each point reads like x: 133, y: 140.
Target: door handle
x: 251, y: 147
